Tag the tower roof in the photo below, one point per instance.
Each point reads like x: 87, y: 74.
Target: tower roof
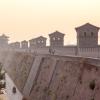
x: 4, y: 36
x: 56, y: 33
x: 87, y: 25
x: 40, y: 37
x: 24, y: 41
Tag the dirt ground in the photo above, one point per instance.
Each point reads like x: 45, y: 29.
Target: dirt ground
x: 3, y: 97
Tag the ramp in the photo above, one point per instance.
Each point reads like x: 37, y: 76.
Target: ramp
x: 32, y: 75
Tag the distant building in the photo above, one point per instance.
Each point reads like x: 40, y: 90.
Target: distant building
x: 38, y: 42
x: 56, y: 39
x: 24, y: 44
x: 3, y: 41
x: 15, y: 45
x: 87, y: 35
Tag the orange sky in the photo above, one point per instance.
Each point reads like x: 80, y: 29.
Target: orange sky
x: 27, y: 19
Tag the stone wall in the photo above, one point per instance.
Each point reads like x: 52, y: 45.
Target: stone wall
x: 69, y: 79
x: 18, y: 66
x: 53, y: 77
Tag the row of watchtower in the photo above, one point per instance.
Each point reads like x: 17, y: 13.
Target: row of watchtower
x: 87, y: 36
x: 56, y: 40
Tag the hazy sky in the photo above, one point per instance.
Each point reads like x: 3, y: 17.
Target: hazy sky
x: 27, y: 19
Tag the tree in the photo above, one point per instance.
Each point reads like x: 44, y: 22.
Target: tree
x: 2, y: 77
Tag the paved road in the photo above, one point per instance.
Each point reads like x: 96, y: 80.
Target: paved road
x: 3, y: 97
x: 9, y: 86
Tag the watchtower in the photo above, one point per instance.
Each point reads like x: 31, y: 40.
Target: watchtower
x: 87, y: 35
x: 56, y: 39
x: 38, y: 42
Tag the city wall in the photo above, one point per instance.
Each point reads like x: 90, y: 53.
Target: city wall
x: 53, y: 77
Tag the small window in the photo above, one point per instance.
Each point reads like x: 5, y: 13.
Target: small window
x: 54, y: 38
x: 38, y: 41
x: 58, y: 38
x: 84, y: 34
x: 42, y: 41
x: 92, y: 34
